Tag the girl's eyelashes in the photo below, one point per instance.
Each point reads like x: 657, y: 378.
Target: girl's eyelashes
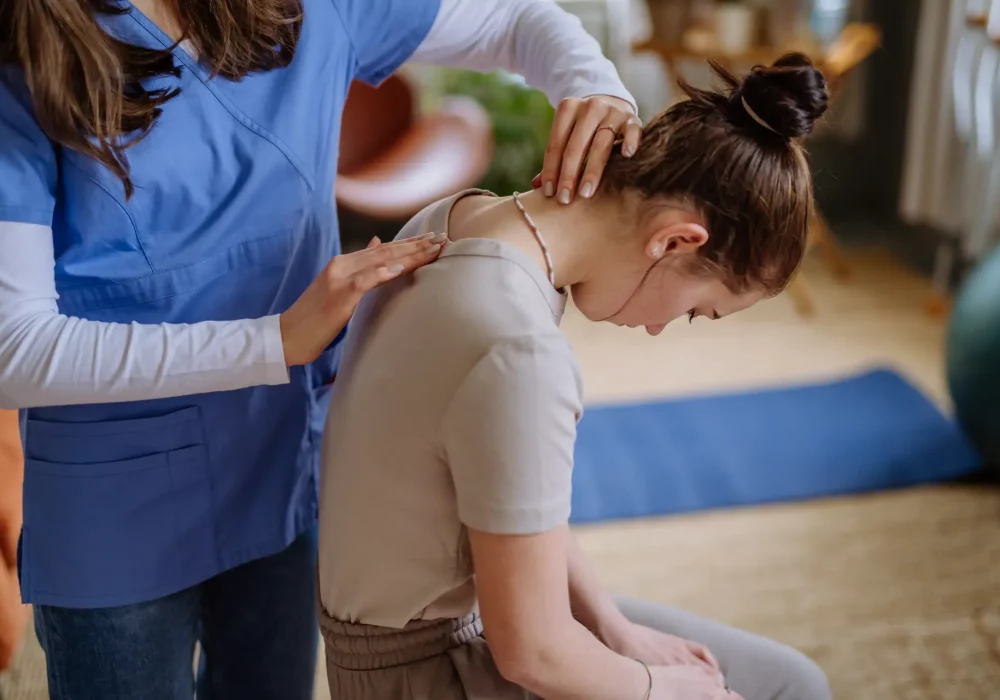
x: 691, y: 314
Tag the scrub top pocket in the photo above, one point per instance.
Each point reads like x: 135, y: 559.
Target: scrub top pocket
x: 77, y: 550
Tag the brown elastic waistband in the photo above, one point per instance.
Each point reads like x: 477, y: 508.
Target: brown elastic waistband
x: 368, y: 647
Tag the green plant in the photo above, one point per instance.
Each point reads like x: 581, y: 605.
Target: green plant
x: 522, y: 119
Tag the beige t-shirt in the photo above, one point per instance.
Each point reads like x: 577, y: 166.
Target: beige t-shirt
x: 455, y: 406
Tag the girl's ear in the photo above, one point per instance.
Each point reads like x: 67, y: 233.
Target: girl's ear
x: 676, y: 237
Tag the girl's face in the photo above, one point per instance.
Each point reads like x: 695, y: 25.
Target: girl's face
x: 655, y: 298
x: 658, y: 283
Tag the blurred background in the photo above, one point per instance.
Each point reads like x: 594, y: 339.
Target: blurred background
x: 822, y: 468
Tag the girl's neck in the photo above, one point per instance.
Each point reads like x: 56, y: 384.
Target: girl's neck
x: 576, y: 235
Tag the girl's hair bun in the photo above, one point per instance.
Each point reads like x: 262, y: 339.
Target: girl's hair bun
x: 788, y: 97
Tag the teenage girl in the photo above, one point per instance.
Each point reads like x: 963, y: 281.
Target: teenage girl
x: 447, y: 569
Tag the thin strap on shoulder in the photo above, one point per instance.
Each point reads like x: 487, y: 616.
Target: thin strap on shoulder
x: 437, y: 221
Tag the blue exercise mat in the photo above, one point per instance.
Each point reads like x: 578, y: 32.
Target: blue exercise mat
x: 866, y: 433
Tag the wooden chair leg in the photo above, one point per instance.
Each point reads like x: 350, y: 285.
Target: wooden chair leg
x: 937, y: 305
x: 823, y: 238
x: 801, y: 298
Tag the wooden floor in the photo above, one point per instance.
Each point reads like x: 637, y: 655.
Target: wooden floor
x: 896, y: 595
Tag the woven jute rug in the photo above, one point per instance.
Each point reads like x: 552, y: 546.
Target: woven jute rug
x: 895, y: 595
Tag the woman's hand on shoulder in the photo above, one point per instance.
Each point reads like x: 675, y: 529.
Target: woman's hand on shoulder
x: 583, y: 134
x: 316, y: 317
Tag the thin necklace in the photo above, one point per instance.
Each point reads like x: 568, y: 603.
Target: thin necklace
x: 538, y: 237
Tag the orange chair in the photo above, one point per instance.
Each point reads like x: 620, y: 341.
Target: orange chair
x: 13, y: 615
x: 394, y: 161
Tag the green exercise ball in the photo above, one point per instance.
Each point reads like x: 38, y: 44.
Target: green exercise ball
x: 974, y: 357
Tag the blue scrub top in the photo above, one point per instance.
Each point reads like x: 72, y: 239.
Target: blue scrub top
x: 233, y: 216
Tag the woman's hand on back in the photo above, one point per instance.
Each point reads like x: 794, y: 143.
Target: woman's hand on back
x: 315, y: 319
x: 583, y: 134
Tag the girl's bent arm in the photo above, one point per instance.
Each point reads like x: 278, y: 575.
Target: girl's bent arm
x: 508, y: 439
x: 535, y: 640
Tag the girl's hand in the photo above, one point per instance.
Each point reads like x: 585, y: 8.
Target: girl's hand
x: 315, y: 319
x: 687, y: 683
x: 659, y: 649
x: 583, y: 133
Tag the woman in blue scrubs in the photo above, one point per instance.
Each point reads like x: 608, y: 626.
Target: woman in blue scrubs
x: 171, y: 292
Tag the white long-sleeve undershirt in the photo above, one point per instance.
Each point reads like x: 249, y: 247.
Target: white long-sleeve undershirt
x: 47, y: 358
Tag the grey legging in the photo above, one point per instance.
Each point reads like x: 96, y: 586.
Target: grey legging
x: 755, y: 667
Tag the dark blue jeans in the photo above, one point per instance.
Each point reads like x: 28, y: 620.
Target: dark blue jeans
x: 256, y: 624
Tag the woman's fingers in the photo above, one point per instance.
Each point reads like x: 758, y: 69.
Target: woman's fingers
x: 411, y: 261
x: 584, y: 131
x: 408, y: 251
x: 562, y: 127
x: 631, y: 134
x: 597, y: 159
x: 407, y: 258
x: 390, y: 267
x: 390, y: 264
x: 367, y: 279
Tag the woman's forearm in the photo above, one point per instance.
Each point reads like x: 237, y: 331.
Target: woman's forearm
x: 47, y: 358
x: 536, y: 39
x: 54, y: 360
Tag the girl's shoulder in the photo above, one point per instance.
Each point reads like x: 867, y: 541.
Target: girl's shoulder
x: 437, y: 217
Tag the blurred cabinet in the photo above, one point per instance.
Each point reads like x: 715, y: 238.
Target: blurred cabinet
x: 608, y: 21
x: 952, y: 176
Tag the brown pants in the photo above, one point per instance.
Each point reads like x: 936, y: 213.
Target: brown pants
x: 449, y: 660
x: 439, y: 659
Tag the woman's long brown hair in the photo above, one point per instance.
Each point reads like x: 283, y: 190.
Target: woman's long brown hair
x: 87, y: 87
